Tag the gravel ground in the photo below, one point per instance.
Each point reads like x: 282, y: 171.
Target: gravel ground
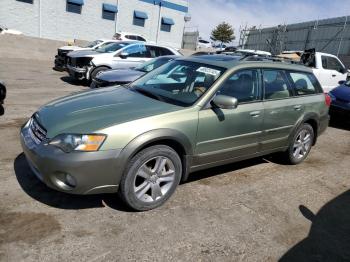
x: 256, y: 210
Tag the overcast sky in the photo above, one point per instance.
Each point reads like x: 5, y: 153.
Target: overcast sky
x: 206, y: 14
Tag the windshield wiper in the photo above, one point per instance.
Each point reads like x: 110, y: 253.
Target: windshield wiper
x: 147, y: 93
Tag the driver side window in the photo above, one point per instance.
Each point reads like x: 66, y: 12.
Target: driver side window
x: 243, y: 85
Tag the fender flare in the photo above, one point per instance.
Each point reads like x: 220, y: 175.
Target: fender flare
x: 307, y: 117
x: 152, y: 137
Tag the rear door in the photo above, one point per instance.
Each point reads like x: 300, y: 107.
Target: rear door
x: 281, y: 109
x: 230, y: 133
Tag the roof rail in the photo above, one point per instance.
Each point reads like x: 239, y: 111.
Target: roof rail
x: 258, y: 57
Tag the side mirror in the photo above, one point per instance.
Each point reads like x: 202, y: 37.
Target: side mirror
x: 123, y: 55
x: 225, y: 102
x: 341, y: 82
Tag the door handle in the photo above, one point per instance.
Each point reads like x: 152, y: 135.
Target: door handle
x: 334, y: 75
x: 297, y: 107
x: 255, y: 114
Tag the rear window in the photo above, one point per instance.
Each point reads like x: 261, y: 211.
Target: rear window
x: 304, y: 83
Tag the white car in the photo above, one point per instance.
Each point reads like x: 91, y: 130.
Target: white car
x: 203, y: 44
x: 61, y: 57
x: 327, y: 68
x: 121, y: 54
x: 252, y: 52
x: 125, y: 36
x: 4, y: 30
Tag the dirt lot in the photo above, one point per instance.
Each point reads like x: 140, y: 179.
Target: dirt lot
x: 257, y: 210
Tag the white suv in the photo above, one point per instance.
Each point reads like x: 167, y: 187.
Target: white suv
x: 125, y: 36
x: 121, y: 54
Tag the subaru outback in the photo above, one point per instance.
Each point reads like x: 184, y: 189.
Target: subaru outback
x: 143, y: 139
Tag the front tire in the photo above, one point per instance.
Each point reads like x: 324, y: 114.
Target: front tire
x: 301, y: 144
x: 96, y: 71
x: 151, y: 178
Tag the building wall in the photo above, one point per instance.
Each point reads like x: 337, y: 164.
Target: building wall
x: 49, y: 19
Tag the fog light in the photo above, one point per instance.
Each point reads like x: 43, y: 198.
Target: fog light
x: 70, y: 181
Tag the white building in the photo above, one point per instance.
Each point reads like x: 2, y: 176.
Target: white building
x: 157, y: 20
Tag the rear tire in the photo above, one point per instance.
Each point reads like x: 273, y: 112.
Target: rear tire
x: 151, y: 177
x: 301, y: 144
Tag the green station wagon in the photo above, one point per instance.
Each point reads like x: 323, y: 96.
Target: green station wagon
x: 193, y: 113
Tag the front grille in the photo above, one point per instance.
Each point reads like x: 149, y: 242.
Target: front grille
x: 62, y: 53
x: 36, y: 131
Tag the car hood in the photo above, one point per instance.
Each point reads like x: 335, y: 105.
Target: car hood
x: 342, y: 92
x: 72, y: 48
x: 120, y: 75
x: 92, y: 110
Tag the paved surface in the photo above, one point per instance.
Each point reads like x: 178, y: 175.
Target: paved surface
x: 257, y: 210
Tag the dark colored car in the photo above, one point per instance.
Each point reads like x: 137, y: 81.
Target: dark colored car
x: 2, y: 96
x: 340, y: 95
x: 127, y: 75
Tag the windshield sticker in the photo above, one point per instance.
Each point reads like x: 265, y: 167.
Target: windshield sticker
x: 209, y: 71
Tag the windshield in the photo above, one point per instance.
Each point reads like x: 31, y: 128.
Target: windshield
x: 111, y: 47
x: 178, y: 82
x: 152, y: 64
x: 93, y: 43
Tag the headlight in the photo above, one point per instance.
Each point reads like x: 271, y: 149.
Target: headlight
x: 74, y: 142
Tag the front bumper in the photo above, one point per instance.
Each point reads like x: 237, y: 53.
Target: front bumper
x: 60, y: 63
x: 79, y: 73
x: 94, y: 172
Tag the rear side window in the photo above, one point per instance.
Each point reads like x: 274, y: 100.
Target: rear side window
x: 276, y: 84
x: 156, y: 51
x: 304, y: 83
x: 139, y: 38
x: 131, y: 37
x: 243, y: 85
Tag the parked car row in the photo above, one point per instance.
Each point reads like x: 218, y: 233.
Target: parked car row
x: 102, y: 55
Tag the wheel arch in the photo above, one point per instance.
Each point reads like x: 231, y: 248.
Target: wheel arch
x: 169, y: 137
x: 312, y: 120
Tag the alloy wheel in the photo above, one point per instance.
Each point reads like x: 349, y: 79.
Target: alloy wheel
x: 154, y: 179
x: 302, y: 144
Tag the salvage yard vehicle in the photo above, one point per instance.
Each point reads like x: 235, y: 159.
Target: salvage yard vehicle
x: 192, y: 113
x: 5, y: 31
x: 121, y: 54
x: 2, y: 97
x: 61, y: 57
x: 125, y: 76
x: 340, y: 106
x: 328, y: 68
x: 204, y: 44
x: 125, y: 36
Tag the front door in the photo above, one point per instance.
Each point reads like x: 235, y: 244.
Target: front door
x: 230, y: 133
x: 136, y: 55
x: 333, y: 72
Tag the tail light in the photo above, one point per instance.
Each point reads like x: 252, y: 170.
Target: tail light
x: 327, y: 99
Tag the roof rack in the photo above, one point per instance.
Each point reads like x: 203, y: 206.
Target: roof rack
x: 259, y: 57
